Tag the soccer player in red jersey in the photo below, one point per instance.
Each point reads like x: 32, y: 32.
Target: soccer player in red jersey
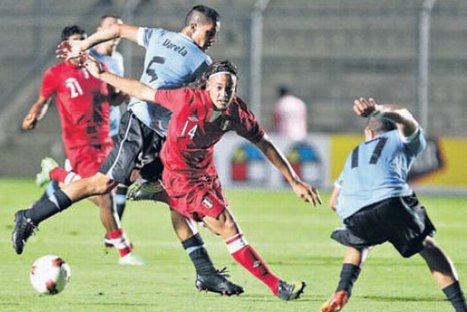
x: 83, y: 106
x: 209, y: 110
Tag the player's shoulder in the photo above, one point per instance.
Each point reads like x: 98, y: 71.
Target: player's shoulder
x: 55, y: 70
x: 240, y: 103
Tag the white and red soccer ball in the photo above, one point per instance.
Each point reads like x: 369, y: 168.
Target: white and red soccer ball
x: 50, y: 274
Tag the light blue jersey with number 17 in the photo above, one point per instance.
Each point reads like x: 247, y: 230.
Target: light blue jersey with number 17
x: 376, y: 170
x: 171, y: 61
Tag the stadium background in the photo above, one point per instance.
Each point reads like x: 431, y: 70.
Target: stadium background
x: 327, y: 51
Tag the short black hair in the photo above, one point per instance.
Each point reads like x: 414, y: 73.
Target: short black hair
x: 69, y: 31
x: 215, y: 67
x: 380, y: 125
x: 283, y: 90
x: 202, y: 14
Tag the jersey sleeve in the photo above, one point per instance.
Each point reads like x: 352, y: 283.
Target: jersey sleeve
x: 415, y: 144
x: 247, y: 125
x: 49, y: 84
x: 173, y: 99
x: 145, y: 34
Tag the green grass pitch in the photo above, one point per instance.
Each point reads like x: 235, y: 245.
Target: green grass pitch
x: 290, y: 235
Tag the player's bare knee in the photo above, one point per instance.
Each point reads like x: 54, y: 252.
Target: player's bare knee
x: 102, y: 184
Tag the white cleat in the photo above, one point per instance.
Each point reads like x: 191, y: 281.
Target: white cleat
x: 131, y: 259
x: 47, y: 165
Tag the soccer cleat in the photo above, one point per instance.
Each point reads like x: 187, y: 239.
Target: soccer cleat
x: 131, y: 259
x: 24, y: 228
x: 217, y: 282
x: 47, y: 165
x: 144, y: 190
x: 108, y: 242
x: 286, y: 291
x: 336, y: 302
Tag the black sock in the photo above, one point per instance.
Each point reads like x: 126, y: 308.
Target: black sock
x: 48, y: 206
x: 50, y: 189
x: 455, y: 295
x: 199, y: 255
x: 349, y: 275
x: 120, y: 199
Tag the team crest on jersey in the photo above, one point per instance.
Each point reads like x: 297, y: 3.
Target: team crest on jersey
x: 207, y: 203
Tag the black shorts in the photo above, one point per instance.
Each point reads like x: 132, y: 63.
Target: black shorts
x: 402, y: 221
x: 138, y: 147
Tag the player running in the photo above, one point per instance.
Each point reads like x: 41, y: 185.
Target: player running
x: 106, y: 53
x: 377, y: 205
x: 172, y: 60
x: 209, y: 110
x: 83, y: 106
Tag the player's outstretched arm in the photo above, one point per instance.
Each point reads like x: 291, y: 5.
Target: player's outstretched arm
x: 37, y: 111
x: 129, y: 86
x: 301, y: 189
x: 71, y: 49
x: 400, y: 115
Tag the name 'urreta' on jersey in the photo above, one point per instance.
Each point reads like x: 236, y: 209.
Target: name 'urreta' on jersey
x: 179, y: 49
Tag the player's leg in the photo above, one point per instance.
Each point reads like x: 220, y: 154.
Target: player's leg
x: 444, y: 272
x: 26, y: 221
x: 120, y: 199
x: 114, y: 232
x: 226, y: 226
x: 116, y: 169
x: 353, y: 262
x: 207, y: 277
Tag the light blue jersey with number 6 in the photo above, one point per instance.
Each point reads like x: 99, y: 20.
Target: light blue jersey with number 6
x: 171, y: 61
x: 377, y: 169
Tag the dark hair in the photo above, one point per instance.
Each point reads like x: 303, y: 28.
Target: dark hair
x: 103, y: 17
x: 202, y: 14
x: 215, y: 67
x: 283, y: 90
x: 380, y: 125
x: 69, y: 31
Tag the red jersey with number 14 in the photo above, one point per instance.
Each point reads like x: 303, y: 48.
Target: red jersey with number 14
x: 195, y: 127
x: 81, y: 102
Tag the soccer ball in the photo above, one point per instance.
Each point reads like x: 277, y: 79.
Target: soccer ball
x: 49, y: 274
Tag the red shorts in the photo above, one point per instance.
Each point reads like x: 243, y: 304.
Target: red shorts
x: 86, y: 160
x: 195, y: 198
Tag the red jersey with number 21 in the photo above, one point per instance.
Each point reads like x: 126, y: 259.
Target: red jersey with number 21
x: 84, y: 115
x: 195, y: 127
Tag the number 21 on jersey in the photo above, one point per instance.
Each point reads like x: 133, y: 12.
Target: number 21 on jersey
x: 189, y: 129
x: 75, y: 88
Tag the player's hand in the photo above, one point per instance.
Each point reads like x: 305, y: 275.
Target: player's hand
x: 93, y: 67
x: 306, y: 192
x: 364, y: 108
x: 68, y: 49
x: 29, y: 122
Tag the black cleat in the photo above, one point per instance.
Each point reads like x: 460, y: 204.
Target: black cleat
x: 24, y: 228
x: 217, y: 282
x: 146, y: 190
x: 286, y: 291
x: 108, y: 243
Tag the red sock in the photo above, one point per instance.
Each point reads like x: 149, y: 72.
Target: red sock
x: 120, y: 242
x: 58, y: 174
x: 247, y: 256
